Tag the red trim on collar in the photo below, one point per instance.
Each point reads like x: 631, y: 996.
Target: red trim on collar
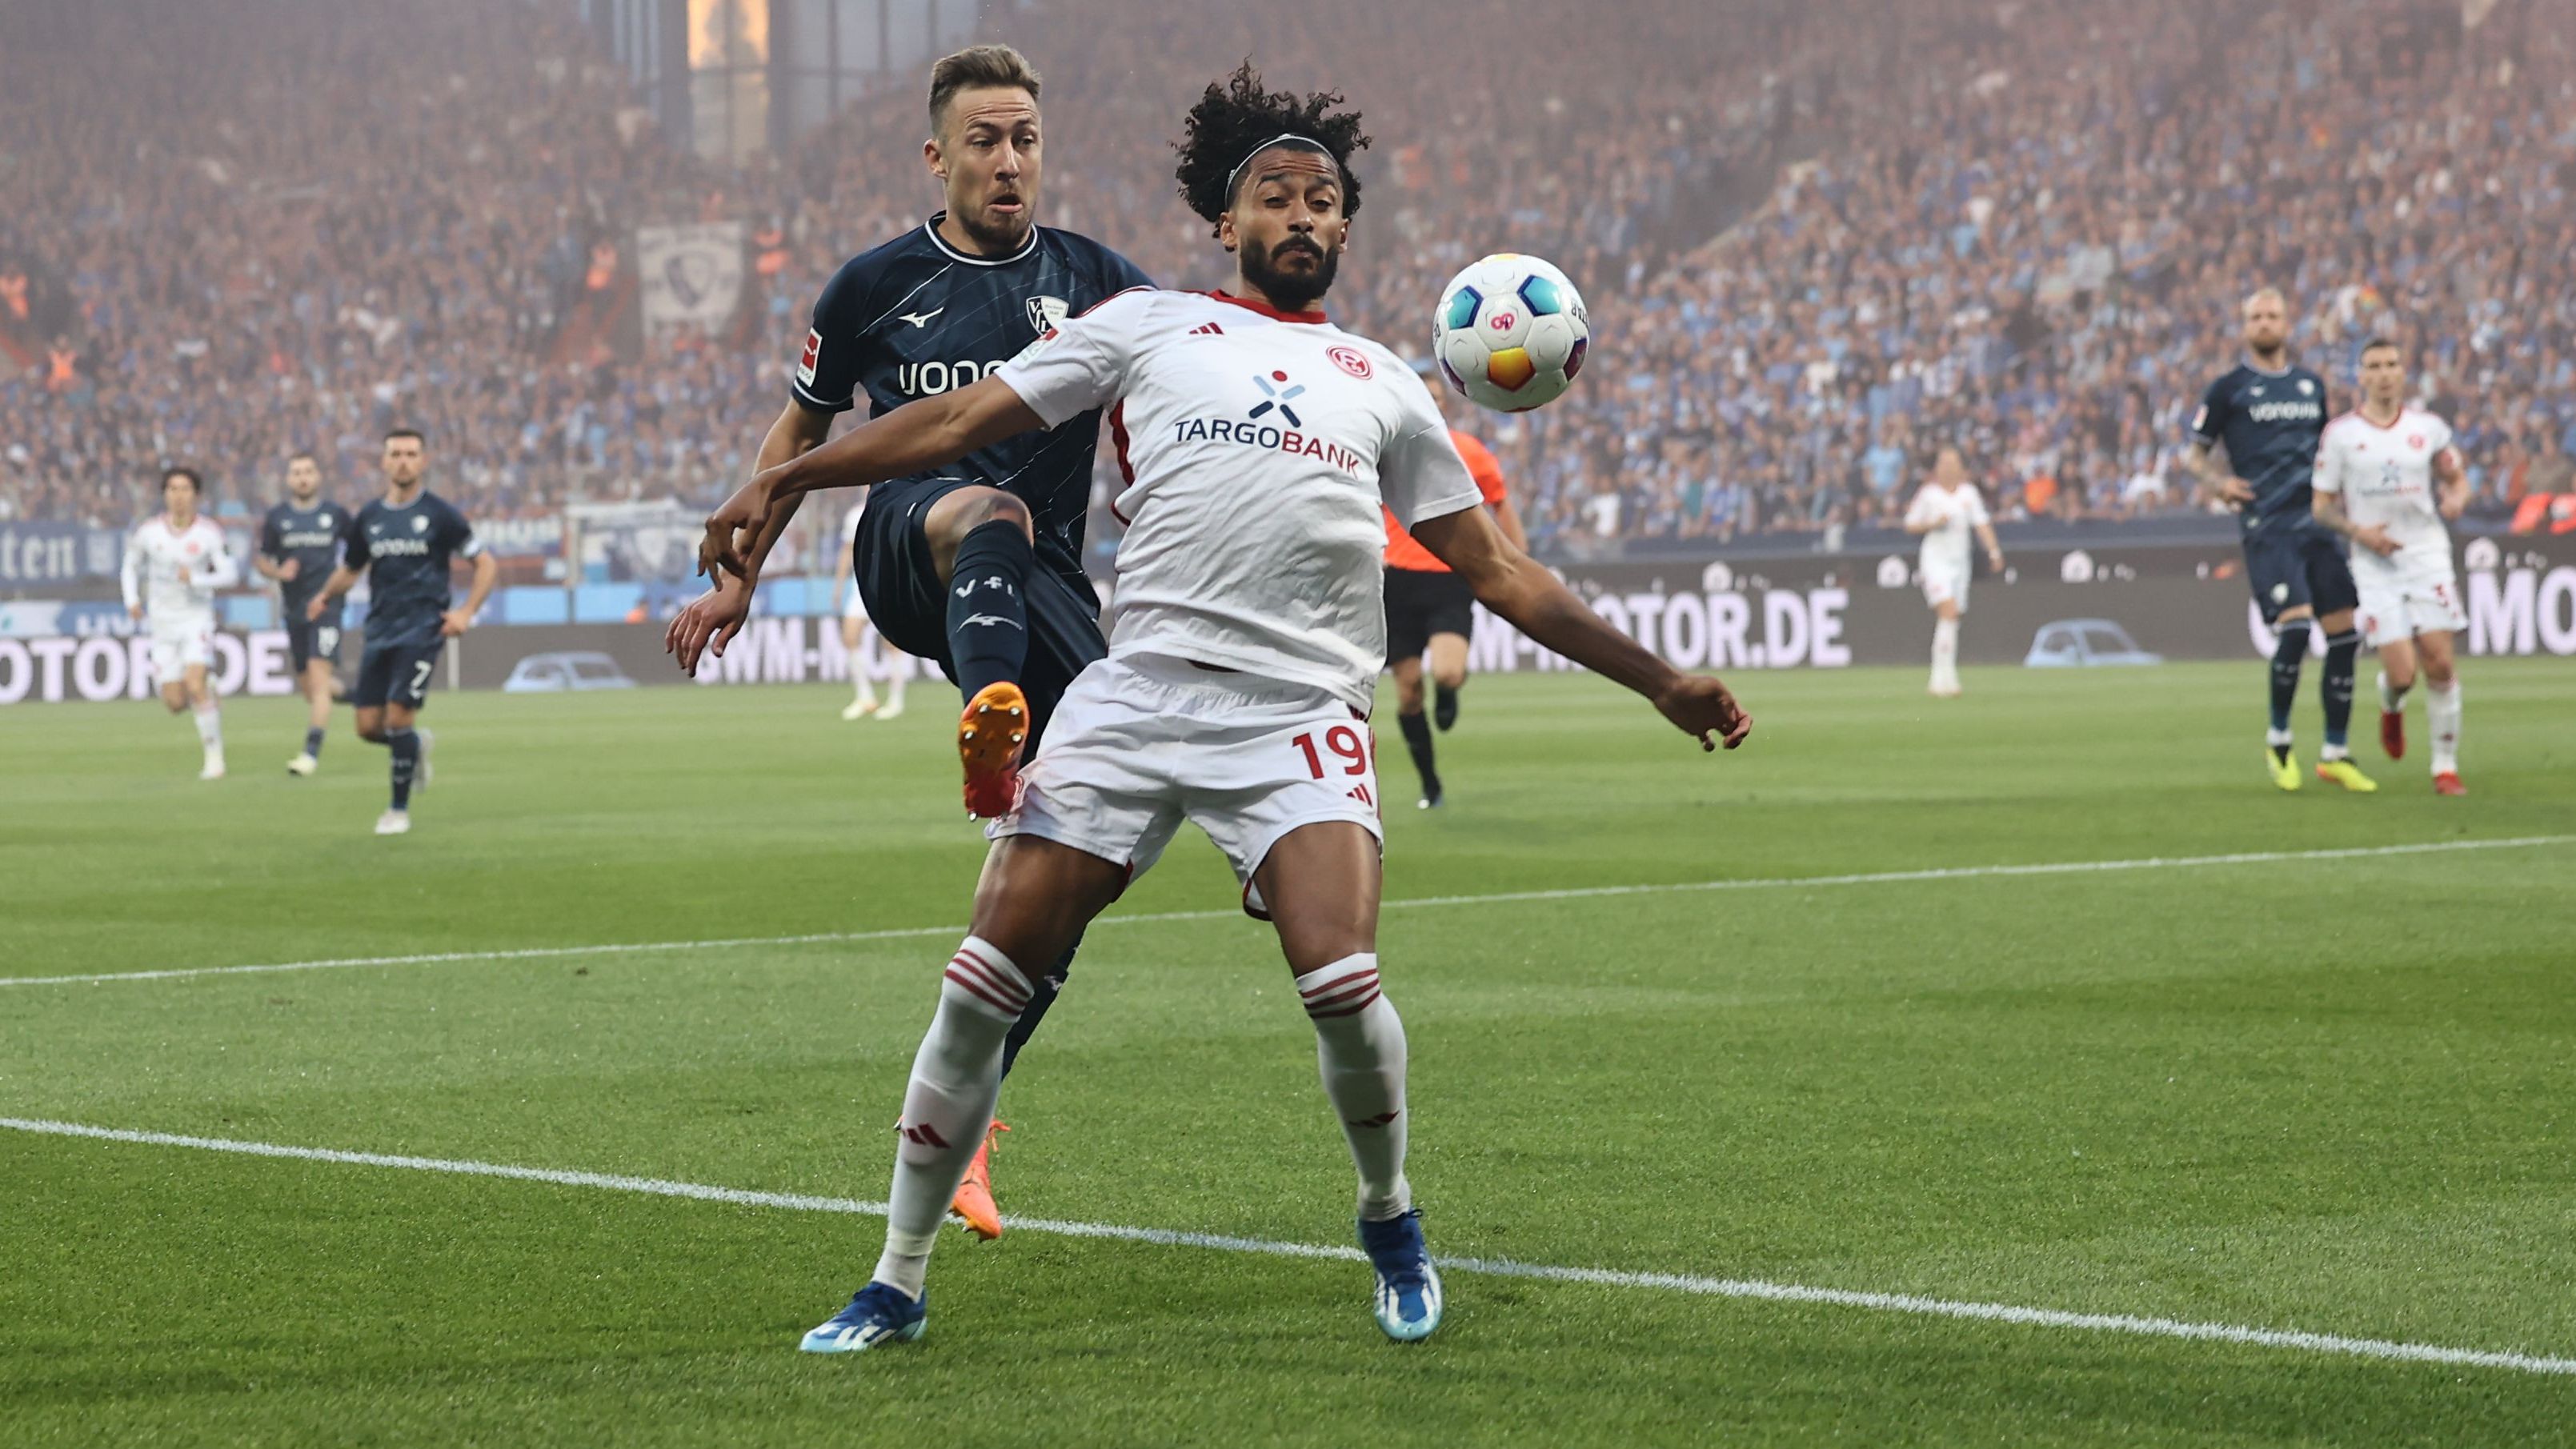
x: 1266, y: 310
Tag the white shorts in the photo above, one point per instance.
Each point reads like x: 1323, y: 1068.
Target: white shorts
x: 1138, y: 745
x: 1945, y: 586
x: 178, y: 645
x: 2396, y: 607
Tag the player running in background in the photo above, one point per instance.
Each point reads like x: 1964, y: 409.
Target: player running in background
x: 976, y: 564
x: 174, y: 565
x: 2387, y: 476
x: 296, y: 543
x: 404, y: 542
x: 1945, y: 510
x: 1246, y: 640
x: 1430, y: 610
x: 2271, y: 416
x: 855, y: 630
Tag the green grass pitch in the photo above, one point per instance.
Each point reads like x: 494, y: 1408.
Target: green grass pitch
x: 2329, y: 1095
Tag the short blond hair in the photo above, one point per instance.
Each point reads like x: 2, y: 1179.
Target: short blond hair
x: 2260, y: 294
x: 977, y: 66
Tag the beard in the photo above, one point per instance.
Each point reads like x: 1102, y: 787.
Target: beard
x: 996, y: 235
x: 1289, y: 291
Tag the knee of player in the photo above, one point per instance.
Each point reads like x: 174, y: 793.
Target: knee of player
x: 992, y: 505
x: 1447, y: 676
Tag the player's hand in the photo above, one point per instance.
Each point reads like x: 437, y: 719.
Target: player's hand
x: 313, y: 608
x: 1995, y: 561
x: 134, y: 612
x: 2375, y: 537
x: 2235, y: 490
x: 1702, y: 706
x: 454, y: 622
x: 709, y: 620
x: 739, y: 517
x: 286, y: 571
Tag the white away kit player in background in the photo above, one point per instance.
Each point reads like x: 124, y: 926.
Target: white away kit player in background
x: 2387, y: 476
x: 855, y: 631
x: 174, y: 566
x: 1945, y: 511
x: 1258, y: 443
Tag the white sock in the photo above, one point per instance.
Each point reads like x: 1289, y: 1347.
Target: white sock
x: 898, y: 669
x: 2279, y: 739
x: 210, y: 728
x: 956, y: 1076
x: 1945, y: 651
x: 2442, y: 711
x: 860, y: 686
x: 2391, y: 700
x: 1359, y: 1045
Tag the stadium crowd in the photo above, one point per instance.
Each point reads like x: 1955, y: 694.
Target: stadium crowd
x: 1817, y: 240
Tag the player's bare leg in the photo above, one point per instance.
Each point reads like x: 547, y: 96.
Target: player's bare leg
x: 982, y: 544
x: 2442, y: 708
x: 1944, y: 683
x: 863, y: 692
x: 898, y: 667
x: 1034, y: 900
x: 2334, y: 757
x: 191, y: 692
x: 1416, y: 727
x: 1320, y: 884
x: 1447, y: 656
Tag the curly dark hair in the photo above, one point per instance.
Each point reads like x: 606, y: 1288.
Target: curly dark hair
x: 1233, y: 120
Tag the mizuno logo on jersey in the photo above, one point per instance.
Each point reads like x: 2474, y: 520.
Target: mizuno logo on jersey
x: 920, y: 319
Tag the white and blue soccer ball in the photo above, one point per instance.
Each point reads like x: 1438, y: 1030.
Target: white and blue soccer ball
x: 1510, y: 333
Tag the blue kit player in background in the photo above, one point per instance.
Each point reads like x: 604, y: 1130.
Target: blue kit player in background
x: 2271, y: 416
x: 978, y: 566
x: 298, y: 542
x: 404, y: 542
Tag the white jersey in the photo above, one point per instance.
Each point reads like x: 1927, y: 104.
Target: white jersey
x: 2385, y: 477
x: 1952, y: 516
x: 1256, y: 448
x: 174, y: 573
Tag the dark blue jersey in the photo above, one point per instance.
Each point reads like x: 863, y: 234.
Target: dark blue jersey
x: 309, y: 538
x: 405, y: 552
x: 2271, y: 424
x: 916, y: 317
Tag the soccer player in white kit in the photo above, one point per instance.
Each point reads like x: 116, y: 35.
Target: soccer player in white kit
x: 2387, y: 476
x: 1945, y: 510
x: 855, y: 631
x: 1258, y: 443
x: 174, y: 566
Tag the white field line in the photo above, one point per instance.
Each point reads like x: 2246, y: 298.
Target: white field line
x: 1575, y: 893
x: 2385, y: 1350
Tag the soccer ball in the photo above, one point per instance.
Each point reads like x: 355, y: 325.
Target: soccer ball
x: 1510, y: 333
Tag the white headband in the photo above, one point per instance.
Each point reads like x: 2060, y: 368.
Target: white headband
x: 1290, y: 139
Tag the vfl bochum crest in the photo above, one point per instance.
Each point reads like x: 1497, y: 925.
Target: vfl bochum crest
x: 1046, y: 312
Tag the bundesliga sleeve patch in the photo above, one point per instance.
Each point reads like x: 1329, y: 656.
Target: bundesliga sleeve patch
x: 813, y: 355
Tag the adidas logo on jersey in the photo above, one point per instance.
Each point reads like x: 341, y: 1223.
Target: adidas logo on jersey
x: 1207, y: 329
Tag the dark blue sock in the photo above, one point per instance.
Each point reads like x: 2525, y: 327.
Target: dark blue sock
x: 1042, y: 994
x: 2342, y: 651
x: 406, y: 747
x: 313, y: 742
x: 2289, y: 651
x: 988, y: 619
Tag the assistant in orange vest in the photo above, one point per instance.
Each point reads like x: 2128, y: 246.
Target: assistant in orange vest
x: 1430, y: 611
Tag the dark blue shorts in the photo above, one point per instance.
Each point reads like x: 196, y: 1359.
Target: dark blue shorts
x: 908, y: 604
x: 2295, y: 566
x: 307, y: 641
x: 395, y: 674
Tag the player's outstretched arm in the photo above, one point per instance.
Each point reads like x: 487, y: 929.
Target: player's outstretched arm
x: 911, y: 439
x: 714, y: 617
x: 1522, y: 591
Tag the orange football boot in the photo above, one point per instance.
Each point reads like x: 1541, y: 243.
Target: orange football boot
x: 2448, y: 783
x: 990, y: 735
x: 974, y: 1201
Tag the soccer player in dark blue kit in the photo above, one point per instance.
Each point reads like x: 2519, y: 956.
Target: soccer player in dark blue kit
x: 980, y: 565
x: 2271, y: 416
x: 404, y: 542
x: 298, y: 542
